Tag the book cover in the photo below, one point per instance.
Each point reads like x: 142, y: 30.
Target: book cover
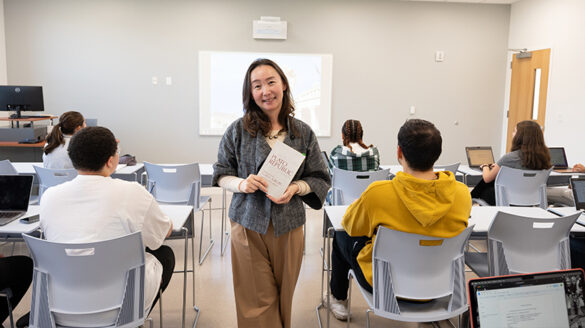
x: 280, y: 167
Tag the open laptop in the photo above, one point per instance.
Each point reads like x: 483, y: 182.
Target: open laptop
x: 477, y: 156
x: 558, y: 159
x: 14, y: 196
x: 578, y: 187
x: 549, y: 299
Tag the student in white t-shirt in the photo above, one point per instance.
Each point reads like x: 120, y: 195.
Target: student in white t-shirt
x: 55, y: 153
x: 94, y: 207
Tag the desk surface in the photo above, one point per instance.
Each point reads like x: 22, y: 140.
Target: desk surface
x: 465, y: 169
x: 39, y: 144
x: 27, y: 167
x: 29, y: 119
x: 481, y: 216
x: 177, y: 213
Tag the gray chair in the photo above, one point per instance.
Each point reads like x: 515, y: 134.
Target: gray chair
x: 100, y: 284
x: 519, y: 244
x: 6, y: 168
x: 52, y: 177
x: 521, y: 187
x: 416, y: 267
x: 451, y: 167
x: 348, y: 186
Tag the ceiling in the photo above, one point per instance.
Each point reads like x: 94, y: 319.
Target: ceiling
x: 472, y: 1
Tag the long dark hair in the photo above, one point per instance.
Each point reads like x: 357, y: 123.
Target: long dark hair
x: 254, y: 118
x: 530, y: 141
x: 352, y: 131
x: 68, y: 122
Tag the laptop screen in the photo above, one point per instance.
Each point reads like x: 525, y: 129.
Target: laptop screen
x: 578, y: 186
x: 550, y: 299
x: 477, y: 156
x: 15, y: 192
x: 558, y: 159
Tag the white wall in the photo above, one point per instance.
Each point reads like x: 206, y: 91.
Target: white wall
x: 98, y: 57
x: 3, y: 77
x: 559, y: 25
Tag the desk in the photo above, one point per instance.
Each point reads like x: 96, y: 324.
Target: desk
x: 17, y: 227
x: 397, y: 168
x: 473, y: 176
x: 15, y: 151
x: 124, y: 172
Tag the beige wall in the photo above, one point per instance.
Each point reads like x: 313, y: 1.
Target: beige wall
x: 98, y: 57
x: 559, y: 25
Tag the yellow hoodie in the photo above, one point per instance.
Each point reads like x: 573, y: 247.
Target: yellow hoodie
x: 436, y: 208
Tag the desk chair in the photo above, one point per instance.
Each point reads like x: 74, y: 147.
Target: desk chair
x: 71, y: 285
x: 519, y: 244
x: 348, y: 186
x: 521, y: 187
x: 412, y: 266
x: 451, y: 167
x: 6, y: 168
x: 52, y: 177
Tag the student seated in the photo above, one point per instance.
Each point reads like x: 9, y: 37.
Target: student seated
x: 529, y: 152
x: 94, y: 207
x: 15, y: 273
x: 417, y: 200
x: 354, y: 155
x: 55, y: 153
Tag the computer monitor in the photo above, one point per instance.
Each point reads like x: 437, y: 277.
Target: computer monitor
x: 21, y: 98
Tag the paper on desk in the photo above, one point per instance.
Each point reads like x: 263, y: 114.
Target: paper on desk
x: 280, y: 167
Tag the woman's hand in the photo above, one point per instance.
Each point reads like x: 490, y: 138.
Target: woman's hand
x: 291, y: 190
x: 579, y: 168
x: 253, y: 183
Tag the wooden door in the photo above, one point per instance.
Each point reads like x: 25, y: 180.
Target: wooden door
x: 527, y: 91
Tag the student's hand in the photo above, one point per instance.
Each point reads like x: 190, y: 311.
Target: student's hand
x: 291, y: 190
x: 253, y: 183
x: 579, y: 168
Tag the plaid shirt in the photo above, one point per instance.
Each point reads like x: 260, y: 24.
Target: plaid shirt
x: 342, y: 158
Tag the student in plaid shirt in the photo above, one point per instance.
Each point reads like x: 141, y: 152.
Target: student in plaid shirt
x: 354, y: 155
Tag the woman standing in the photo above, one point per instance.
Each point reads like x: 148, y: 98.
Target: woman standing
x: 267, y: 236
x: 529, y: 152
x: 55, y: 154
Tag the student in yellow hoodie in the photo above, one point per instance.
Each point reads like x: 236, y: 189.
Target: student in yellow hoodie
x: 417, y: 200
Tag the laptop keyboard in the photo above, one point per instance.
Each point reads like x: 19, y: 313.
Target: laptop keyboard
x: 7, y: 217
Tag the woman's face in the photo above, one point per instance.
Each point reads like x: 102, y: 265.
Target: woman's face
x: 267, y: 89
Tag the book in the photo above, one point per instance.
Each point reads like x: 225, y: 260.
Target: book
x: 280, y: 167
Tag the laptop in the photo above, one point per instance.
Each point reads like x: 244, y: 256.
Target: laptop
x: 558, y: 159
x: 14, y: 196
x: 477, y: 156
x: 548, y: 299
x: 578, y: 187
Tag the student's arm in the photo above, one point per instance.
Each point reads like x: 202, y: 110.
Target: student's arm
x: 490, y: 172
x: 579, y: 168
x: 170, y: 230
x: 357, y: 220
x: 156, y: 227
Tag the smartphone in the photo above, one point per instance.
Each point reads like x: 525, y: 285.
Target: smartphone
x: 30, y: 219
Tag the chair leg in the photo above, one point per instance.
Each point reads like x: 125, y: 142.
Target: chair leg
x: 8, y: 294
x: 160, y: 307
x: 150, y: 322
x: 224, y: 223
x: 368, y: 318
x: 349, y: 301
x: 211, y: 241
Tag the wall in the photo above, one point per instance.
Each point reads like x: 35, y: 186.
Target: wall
x: 98, y: 57
x: 3, y: 77
x: 559, y: 25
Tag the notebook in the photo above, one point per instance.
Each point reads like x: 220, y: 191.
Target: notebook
x: 477, y: 156
x: 558, y: 159
x: 14, y: 196
x: 578, y: 187
x: 548, y: 299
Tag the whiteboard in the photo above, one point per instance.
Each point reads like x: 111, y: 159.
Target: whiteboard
x: 221, y: 78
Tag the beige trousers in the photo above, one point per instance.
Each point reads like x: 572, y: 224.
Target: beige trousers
x: 265, y: 272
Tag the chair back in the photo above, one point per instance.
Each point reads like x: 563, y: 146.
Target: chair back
x: 519, y: 244
x: 174, y: 183
x: 348, y: 186
x: 52, y: 177
x: 100, y: 284
x: 6, y: 168
x: 451, y: 167
x: 521, y: 187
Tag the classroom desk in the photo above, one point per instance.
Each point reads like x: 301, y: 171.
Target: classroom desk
x: 124, y: 172
x: 179, y: 215
x: 473, y: 176
x: 481, y: 217
x: 397, y: 168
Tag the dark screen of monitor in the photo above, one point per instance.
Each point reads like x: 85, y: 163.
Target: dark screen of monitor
x: 14, y: 192
x: 21, y: 98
